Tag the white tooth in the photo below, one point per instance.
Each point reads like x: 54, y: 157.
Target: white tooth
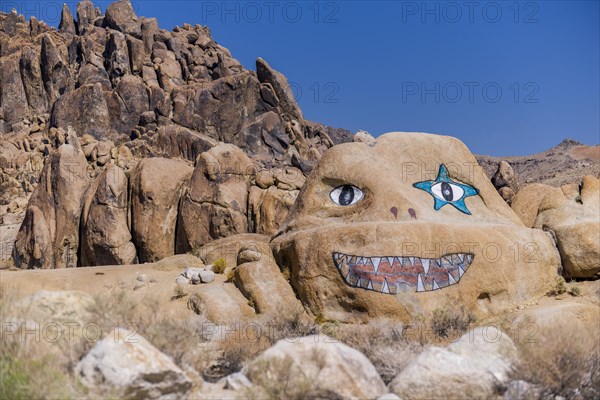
x: 461, y: 257
x: 469, y: 258
x: 435, y: 285
x: 451, y: 280
x: 376, y: 261
x: 370, y: 285
x: 385, y: 288
x: 461, y: 272
x: 420, y: 286
x: 425, y: 263
x: 357, y: 283
x: 390, y: 260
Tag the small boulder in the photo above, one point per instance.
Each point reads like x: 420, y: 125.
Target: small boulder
x: 206, y: 276
x: 128, y: 362
x: 317, y: 366
x: 476, y: 366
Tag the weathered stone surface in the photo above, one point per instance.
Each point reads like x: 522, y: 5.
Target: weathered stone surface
x: 393, y: 220
x: 127, y: 104
x: 118, y: 57
x: 156, y: 187
x: 268, y: 208
x: 67, y: 23
x: 325, y: 367
x: 49, y: 236
x: 177, y: 141
x: 127, y: 362
x: 86, y: 14
x: 121, y: 17
x: 13, y: 96
x: 33, y: 84
x: 475, y: 367
x: 55, y: 70
x: 505, y: 176
x: 527, y: 201
x: 216, y: 203
x: 84, y: 110
x: 228, y: 248
x: 105, y: 236
x: 576, y: 227
x: 280, y: 89
x: 262, y: 282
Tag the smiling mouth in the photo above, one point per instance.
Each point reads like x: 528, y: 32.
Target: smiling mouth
x: 391, y: 275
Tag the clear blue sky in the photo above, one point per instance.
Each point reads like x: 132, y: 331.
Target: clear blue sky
x: 508, y: 78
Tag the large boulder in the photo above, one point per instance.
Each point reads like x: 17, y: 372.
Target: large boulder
x: 84, y: 110
x: 316, y: 367
x: 260, y: 280
x: 268, y: 208
x: 121, y: 17
x: 526, y: 202
x: 105, y: 236
x: 125, y: 361
x: 573, y: 218
x: 475, y: 367
x: 156, y: 187
x: 404, y: 226
x: 49, y: 235
x: 216, y: 203
x: 12, y: 96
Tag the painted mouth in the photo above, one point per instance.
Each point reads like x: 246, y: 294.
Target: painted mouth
x: 391, y: 275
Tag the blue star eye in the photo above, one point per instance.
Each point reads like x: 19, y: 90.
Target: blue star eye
x: 445, y: 191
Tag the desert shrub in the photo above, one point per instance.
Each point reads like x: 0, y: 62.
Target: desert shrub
x: 447, y: 323
x: 575, y: 291
x: 178, y: 293
x: 247, y: 340
x: 559, y: 287
x: 562, y: 362
x: 174, y: 337
x: 219, y: 266
x: 30, y: 368
x: 381, y: 341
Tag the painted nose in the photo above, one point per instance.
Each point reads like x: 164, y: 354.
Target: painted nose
x: 411, y: 212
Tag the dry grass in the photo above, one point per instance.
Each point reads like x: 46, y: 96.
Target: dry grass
x: 171, y: 336
x: 381, y: 341
x: 244, y: 341
x: 32, y: 368
x: 451, y: 322
x: 564, y: 361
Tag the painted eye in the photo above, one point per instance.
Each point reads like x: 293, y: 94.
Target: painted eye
x: 346, y: 195
x: 447, y: 191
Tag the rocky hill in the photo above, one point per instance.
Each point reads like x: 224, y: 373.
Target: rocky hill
x: 565, y: 163
x: 120, y: 89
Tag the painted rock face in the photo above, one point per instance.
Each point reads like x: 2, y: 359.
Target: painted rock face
x: 406, y: 225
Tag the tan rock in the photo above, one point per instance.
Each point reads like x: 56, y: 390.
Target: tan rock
x: 268, y: 208
x: 527, y: 201
x: 318, y: 366
x: 574, y: 221
x: 125, y: 361
x: 262, y: 282
x: 472, y: 367
x: 49, y: 235
x: 216, y: 203
x: 365, y: 259
x: 105, y: 236
x: 156, y: 187
x: 229, y: 247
